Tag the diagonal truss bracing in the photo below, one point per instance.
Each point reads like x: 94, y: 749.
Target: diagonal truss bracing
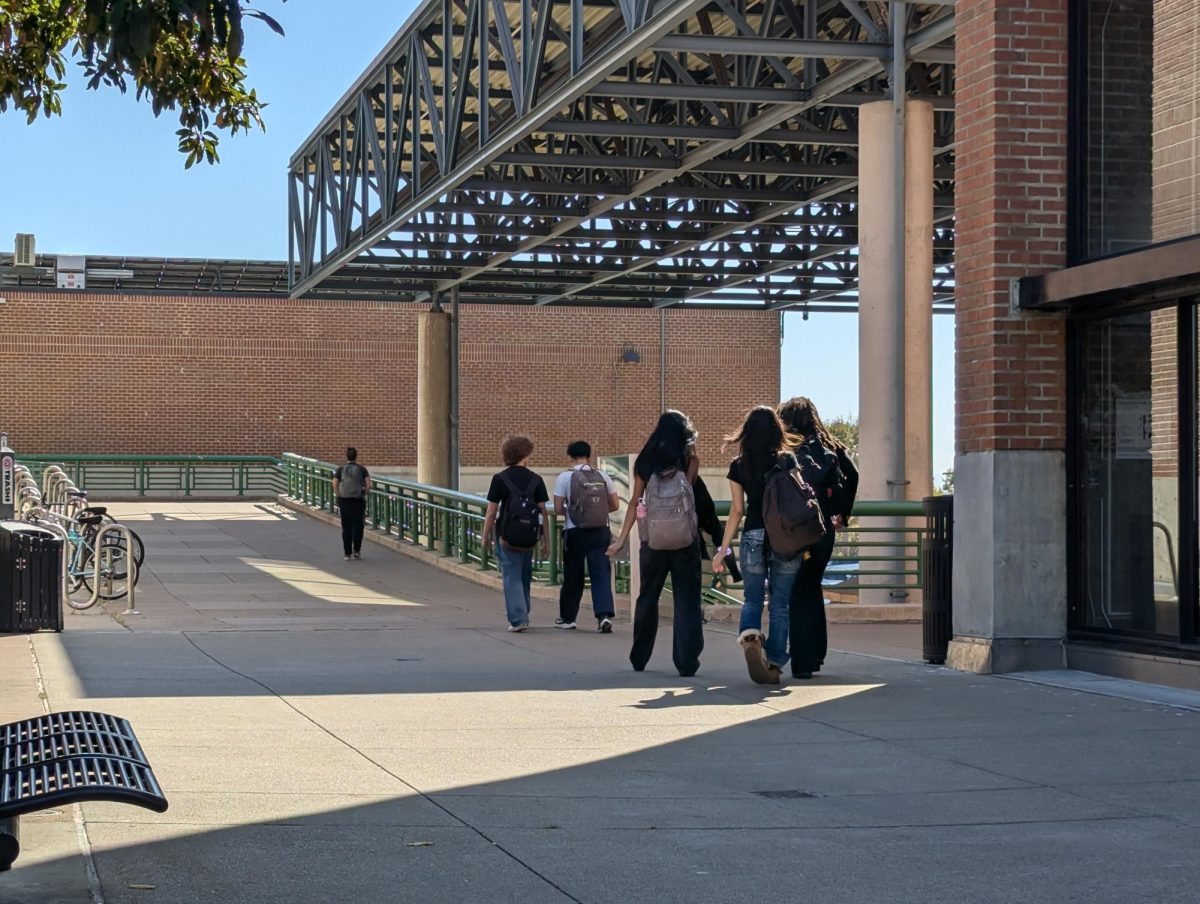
x: 644, y: 153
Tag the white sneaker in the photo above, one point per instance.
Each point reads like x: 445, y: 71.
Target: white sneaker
x: 605, y: 626
x: 347, y: 558
x: 517, y: 629
x: 565, y: 625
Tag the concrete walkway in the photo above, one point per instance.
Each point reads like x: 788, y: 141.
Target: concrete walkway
x: 333, y: 731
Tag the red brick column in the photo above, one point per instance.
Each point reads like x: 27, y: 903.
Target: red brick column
x: 1011, y: 142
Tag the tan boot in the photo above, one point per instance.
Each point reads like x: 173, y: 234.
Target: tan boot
x: 774, y: 673
x: 756, y: 659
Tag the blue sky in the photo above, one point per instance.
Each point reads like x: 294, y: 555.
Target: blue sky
x: 106, y: 179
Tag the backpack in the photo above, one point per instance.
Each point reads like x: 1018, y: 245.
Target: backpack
x: 588, y: 500
x: 670, y: 520
x: 350, y: 485
x: 841, y: 500
x: 791, y: 513
x: 520, y: 521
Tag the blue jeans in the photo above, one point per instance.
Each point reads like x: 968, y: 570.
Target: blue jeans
x: 760, y: 568
x: 516, y: 572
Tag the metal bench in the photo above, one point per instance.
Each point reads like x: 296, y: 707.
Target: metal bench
x: 66, y: 758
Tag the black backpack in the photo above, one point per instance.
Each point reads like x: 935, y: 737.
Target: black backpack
x: 520, y: 521
x: 841, y: 500
x: 791, y: 513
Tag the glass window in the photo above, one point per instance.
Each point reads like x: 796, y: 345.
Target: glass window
x: 1129, y: 500
x: 1142, y: 103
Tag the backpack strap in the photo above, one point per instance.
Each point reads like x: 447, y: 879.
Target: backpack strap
x: 513, y: 489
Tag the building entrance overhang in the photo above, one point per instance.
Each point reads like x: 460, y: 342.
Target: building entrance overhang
x: 626, y: 153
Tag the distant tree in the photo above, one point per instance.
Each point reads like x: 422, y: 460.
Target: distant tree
x: 948, y: 481
x: 183, y: 55
x: 845, y: 431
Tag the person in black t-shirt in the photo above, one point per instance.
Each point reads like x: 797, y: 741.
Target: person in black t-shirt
x: 351, y: 483
x: 517, y: 498
x: 763, y: 446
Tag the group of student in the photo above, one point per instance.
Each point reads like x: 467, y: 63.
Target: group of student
x: 792, y: 482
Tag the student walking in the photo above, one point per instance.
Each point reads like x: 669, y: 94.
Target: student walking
x: 585, y: 498
x: 670, y: 544
x: 764, y: 449
x: 351, y: 483
x: 829, y: 470
x: 517, y: 500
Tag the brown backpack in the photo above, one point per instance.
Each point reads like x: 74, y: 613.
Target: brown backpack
x: 791, y: 513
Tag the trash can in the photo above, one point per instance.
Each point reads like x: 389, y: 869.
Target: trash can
x: 937, y: 560
x: 30, y: 578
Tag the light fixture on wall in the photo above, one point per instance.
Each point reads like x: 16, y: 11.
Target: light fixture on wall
x: 629, y: 355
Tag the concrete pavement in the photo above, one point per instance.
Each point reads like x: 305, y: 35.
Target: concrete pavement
x: 333, y: 731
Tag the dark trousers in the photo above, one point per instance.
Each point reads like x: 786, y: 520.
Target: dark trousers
x: 354, y: 513
x: 809, y: 638
x: 683, y: 565
x: 586, y: 548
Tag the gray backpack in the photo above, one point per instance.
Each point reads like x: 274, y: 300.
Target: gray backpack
x: 350, y: 486
x: 588, y: 502
x: 670, y: 521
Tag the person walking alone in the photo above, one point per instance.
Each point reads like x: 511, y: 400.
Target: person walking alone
x: 351, y: 483
x: 828, y: 470
x: 585, y: 498
x: 670, y: 542
x: 517, y: 500
x: 764, y: 447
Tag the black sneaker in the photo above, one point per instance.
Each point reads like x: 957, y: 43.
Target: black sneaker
x: 605, y: 626
x: 565, y: 625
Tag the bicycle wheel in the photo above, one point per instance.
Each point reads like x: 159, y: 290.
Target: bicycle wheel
x: 112, y: 587
x: 139, y: 551
x: 115, y: 556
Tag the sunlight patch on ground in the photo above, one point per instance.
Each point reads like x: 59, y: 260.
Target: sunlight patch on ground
x: 313, y: 581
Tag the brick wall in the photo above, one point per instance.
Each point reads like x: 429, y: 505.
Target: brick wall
x: 1010, y: 196
x: 138, y: 374
x: 1176, y: 87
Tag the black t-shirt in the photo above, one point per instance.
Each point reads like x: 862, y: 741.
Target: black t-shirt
x: 753, y: 485
x: 522, y: 477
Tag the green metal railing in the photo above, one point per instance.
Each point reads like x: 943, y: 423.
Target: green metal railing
x: 884, y: 542
x: 888, y: 556
x: 168, y: 475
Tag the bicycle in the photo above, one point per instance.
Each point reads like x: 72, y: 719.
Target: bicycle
x: 88, y: 548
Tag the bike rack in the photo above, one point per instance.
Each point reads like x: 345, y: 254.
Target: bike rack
x: 130, y: 564
x: 50, y: 477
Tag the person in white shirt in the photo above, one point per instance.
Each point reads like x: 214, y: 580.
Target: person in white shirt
x: 585, y: 497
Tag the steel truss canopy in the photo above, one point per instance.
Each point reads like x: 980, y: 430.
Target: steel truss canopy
x: 635, y: 153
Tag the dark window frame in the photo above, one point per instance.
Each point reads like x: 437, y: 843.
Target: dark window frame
x: 1078, y: 109
x: 1187, y: 357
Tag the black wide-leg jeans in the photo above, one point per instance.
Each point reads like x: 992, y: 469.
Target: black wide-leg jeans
x: 683, y: 566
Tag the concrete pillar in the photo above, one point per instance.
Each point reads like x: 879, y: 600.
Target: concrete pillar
x: 918, y: 301
x: 434, y: 465
x: 1010, y: 512
x: 895, y: 321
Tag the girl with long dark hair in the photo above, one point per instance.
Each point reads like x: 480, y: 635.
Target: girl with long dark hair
x: 669, y: 452
x: 819, y: 463
x: 764, y: 446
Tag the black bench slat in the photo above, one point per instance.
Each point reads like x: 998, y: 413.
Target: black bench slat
x: 79, y: 779
x: 62, y: 723
x: 47, y: 748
